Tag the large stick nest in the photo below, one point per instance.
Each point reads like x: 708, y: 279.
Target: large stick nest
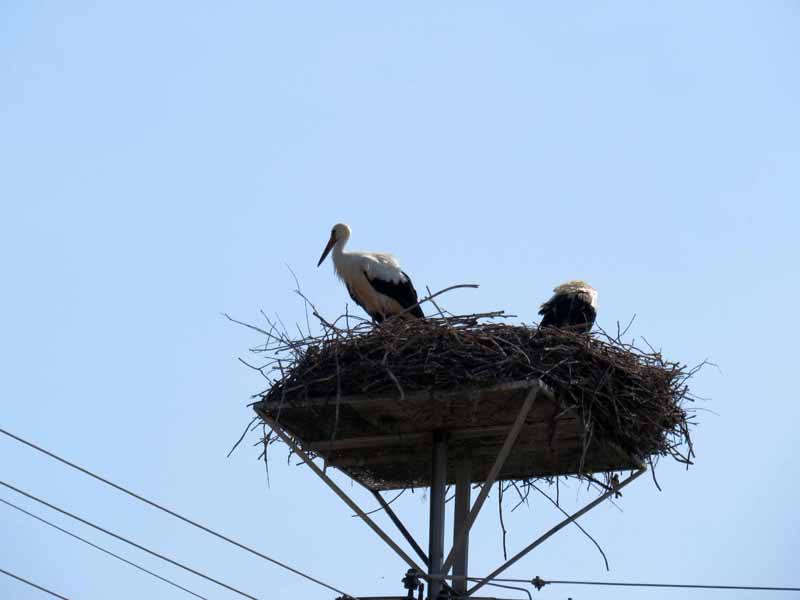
x: 627, y: 396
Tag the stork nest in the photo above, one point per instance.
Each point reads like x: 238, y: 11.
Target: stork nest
x: 627, y: 396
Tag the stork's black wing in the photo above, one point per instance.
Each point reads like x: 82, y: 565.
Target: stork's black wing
x: 568, y: 311
x: 554, y: 311
x: 403, y: 292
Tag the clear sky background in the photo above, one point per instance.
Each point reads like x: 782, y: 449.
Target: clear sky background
x: 162, y: 162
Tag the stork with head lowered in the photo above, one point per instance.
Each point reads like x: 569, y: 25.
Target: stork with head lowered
x: 573, y: 306
x: 374, y: 280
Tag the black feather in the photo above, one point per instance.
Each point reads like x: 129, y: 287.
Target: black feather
x: 403, y: 292
x: 568, y: 311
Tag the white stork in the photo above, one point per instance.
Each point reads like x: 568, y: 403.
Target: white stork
x: 374, y: 279
x: 573, y: 306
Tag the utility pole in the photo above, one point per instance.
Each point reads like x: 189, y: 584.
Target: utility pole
x: 436, y: 530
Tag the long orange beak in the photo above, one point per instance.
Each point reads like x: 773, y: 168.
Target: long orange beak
x: 325, y: 252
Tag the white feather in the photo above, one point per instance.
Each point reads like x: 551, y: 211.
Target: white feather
x: 578, y: 287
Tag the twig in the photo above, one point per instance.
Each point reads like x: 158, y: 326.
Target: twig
x: 244, y: 433
x: 500, y: 510
x: 380, y: 508
x: 438, y: 308
x: 566, y: 514
x: 430, y: 297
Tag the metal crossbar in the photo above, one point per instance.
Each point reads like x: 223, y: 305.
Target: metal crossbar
x: 511, y: 438
x: 338, y: 491
x: 552, y: 531
x: 400, y: 526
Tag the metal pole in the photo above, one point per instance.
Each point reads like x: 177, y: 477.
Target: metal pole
x: 535, y: 390
x: 396, y: 520
x: 461, y: 511
x: 436, y: 531
x: 337, y: 490
x: 552, y: 531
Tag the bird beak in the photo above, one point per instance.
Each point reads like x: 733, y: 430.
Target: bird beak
x: 331, y: 242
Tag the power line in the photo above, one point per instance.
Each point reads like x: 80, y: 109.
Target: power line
x: 539, y: 583
x: 85, y: 541
x: 127, y: 541
x: 30, y: 583
x: 684, y: 586
x: 172, y: 513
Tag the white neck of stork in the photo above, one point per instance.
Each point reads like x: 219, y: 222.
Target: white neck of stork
x: 338, y: 247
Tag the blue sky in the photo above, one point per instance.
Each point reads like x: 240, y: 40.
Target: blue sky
x: 162, y: 163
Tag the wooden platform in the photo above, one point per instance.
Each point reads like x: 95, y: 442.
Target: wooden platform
x: 385, y: 442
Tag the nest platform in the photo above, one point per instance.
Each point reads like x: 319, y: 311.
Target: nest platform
x: 368, y: 399
x: 464, y: 400
x: 385, y: 441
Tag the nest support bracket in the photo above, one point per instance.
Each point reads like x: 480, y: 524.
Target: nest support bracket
x: 460, y: 539
x: 553, y: 530
x: 342, y: 495
x: 438, y: 568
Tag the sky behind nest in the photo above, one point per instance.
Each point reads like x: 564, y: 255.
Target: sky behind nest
x: 163, y: 162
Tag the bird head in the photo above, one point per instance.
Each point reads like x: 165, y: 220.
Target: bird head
x: 577, y: 286
x: 339, y: 233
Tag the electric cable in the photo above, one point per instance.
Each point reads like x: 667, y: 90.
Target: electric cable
x: 757, y: 588
x: 127, y: 541
x: 34, y: 585
x: 539, y: 583
x: 172, y: 512
x: 93, y: 545
x: 536, y: 582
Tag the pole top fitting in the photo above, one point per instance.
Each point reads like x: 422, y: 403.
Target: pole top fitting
x: 411, y: 582
x: 410, y: 579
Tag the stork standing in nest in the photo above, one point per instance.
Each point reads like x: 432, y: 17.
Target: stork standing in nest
x: 374, y: 280
x: 573, y: 306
